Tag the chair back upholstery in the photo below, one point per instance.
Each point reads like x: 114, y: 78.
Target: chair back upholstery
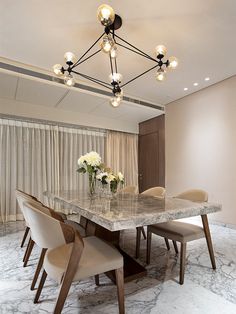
x: 47, y: 232
x: 194, y: 195
x: 157, y: 191
x: 129, y: 189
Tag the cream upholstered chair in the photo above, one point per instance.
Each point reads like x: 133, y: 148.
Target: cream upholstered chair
x: 132, y: 189
x: 159, y: 192
x: 183, y: 232
x: 69, y: 257
x: 23, y: 197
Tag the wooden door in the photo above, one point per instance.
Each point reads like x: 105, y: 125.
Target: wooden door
x: 152, y: 153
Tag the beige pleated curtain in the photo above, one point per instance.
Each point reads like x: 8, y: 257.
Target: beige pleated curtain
x: 38, y: 157
x: 122, y: 155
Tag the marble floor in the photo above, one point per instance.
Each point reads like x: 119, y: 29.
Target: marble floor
x: 204, y: 292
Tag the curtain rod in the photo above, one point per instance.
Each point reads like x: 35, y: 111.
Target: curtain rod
x: 49, y: 122
x: 55, y: 123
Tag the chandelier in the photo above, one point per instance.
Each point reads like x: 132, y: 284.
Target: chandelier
x: 109, y: 42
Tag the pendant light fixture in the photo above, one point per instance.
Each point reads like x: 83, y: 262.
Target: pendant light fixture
x: 110, y: 43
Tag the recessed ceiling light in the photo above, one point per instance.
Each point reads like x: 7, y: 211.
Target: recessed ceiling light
x: 186, y: 88
x: 195, y: 84
x: 207, y: 79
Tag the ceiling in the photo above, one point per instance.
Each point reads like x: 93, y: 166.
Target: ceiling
x: 29, y: 90
x: 198, y: 32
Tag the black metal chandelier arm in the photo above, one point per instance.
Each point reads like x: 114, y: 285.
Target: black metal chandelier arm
x: 111, y: 65
x: 136, y: 77
x: 116, y: 66
x: 77, y: 62
x: 139, y: 53
x: 88, y: 57
x: 144, y: 53
x: 92, y: 79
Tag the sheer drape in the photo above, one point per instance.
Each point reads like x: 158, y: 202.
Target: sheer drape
x: 37, y: 157
x: 28, y: 161
x: 122, y: 155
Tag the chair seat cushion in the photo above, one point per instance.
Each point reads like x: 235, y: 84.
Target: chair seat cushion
x: 177, y: 231
x: 77, y: 227
x: 97, y: 257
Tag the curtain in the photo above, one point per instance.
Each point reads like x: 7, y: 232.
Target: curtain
x: 37, y: 157
x: 28, y: 161
x: 72, y: 144
x: 122, y: 155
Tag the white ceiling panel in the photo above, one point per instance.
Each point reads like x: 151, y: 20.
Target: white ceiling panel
x: 8, y: 85
x: 79, y: 101
x: 39, y: 93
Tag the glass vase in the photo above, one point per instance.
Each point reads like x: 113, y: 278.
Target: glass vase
x: 92, y: 183
x: 113, y: 187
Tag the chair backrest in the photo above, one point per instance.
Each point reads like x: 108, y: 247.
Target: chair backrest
x: 157, y: 191
x: 129, y: 189
x: 47, y: 232
x: 194, y: 195
x: 23, y: 197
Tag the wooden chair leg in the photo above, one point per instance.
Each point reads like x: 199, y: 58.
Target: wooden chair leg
x: 182, y: 262
x: 31, y: 245
x: 25, y: 236
x: 149, y: 242
x: 39, y: 266
x: 97, y: 280
x: 120, y: 289
x: 27, y: 248
x: 167, y: 244
x: 40, y: 287
x: 143, y: 233
x: 138, y: 238
x: 175, y: 247
x: 208, y: 239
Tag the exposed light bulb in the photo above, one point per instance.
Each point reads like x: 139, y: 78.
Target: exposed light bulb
x: 57, y: 69
x: 116, y: 77
x: 105, y: 14
x: 161, y: 75
x: 160, y: 50
x: 115, y: 101
x: 173, y: 63
x: 69, y: 80
x: 107, y: 43
x: 113, y: 52
x: 70, y: 57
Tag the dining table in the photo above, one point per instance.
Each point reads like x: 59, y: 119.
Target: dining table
x: 105, y: 216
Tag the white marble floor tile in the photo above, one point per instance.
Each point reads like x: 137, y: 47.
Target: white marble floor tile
x: 204, y: 291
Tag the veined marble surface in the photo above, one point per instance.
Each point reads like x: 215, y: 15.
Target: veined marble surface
x: 205, y: 291
x: 127, y: 211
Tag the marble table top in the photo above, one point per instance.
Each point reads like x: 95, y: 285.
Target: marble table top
x: 127, y: 211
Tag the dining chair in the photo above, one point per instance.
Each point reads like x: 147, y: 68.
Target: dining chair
x: 23, y: 197
x: 183, y: 232
x: 69, y: 257
x: 128, y: 189
x: 159, y: 192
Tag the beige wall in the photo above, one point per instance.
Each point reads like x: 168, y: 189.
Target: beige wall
x: 201, y: 145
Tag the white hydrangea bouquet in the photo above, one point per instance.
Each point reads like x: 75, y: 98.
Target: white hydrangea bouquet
x: 107, y: 177
x: 90, y: 163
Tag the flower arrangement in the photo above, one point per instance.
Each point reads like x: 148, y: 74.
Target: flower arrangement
x: 90, y: 163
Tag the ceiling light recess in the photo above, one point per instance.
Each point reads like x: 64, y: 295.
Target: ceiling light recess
x: 109, y: 42
x: 195, y: 84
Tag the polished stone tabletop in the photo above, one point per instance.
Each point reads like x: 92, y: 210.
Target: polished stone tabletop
x: 127, y: 211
